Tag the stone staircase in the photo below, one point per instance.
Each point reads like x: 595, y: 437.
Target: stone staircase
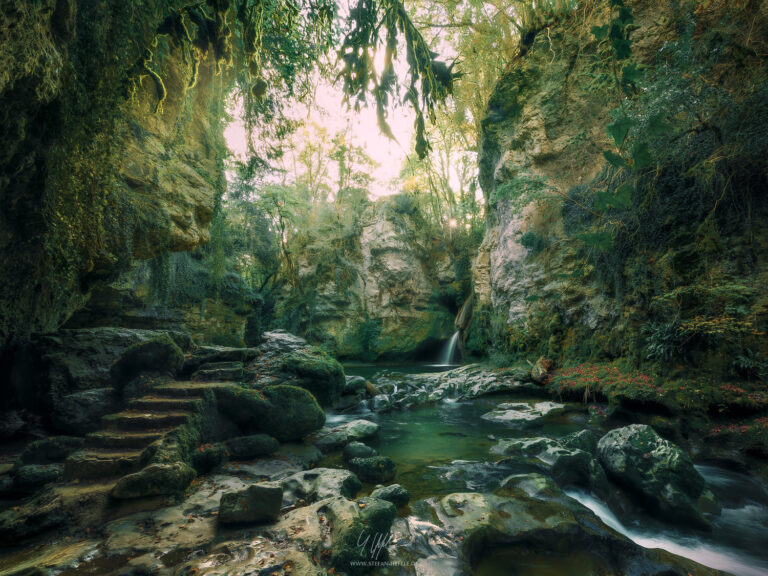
x: 117, y: 448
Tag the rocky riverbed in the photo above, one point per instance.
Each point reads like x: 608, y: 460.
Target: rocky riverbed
x: 221, y: 461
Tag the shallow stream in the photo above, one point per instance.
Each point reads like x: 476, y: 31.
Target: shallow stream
x: 445, y: 448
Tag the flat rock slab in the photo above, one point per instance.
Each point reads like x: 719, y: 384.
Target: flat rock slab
x: 513, y: 412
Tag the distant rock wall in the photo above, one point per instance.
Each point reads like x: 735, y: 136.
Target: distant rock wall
x: 399, y: 302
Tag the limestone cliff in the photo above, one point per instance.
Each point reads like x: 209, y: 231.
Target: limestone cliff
x: 652, y: 244
x: 111, y: 139
x: 402, y: 297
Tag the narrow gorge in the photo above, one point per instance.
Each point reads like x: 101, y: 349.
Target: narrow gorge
x: 421, y: 289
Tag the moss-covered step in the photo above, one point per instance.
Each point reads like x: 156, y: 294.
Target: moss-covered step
x: 188, y: 389
x: 111, y: 439
x: 165, y: 404
x: 142, y: 420
x: 101, y: 463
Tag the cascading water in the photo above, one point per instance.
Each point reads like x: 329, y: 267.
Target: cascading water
x: 450, y: 350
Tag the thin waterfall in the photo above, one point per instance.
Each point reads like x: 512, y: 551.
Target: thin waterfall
x: 450, y: 349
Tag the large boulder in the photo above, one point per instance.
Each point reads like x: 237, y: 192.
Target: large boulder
x: 374, y: 469
x: 257, y: 503
x: 154, y: 480
x: 659, y: 472
x: 285, y: 412
x: 316, y: 371
x: 158, y: 355
x: 568, y: 466
x: 394, y: 493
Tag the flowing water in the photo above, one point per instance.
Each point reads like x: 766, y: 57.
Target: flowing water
x: 444, y: 448
x: 448, y: 354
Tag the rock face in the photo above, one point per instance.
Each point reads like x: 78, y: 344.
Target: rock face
x: 100, y: 166
x: 77, y: 361
x: 638, y: 458
x: 392, y: 306
x: 538, y: 271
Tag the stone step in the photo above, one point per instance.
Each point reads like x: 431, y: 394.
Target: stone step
x: 123, y: 440
x: 101, y: 463
x: 214, y: 374
x: 188, y: 389
x: 143, y: 420
x: 168, y: 404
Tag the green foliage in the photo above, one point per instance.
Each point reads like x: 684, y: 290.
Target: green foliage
x: 664, y: 340
x: 534, y: 242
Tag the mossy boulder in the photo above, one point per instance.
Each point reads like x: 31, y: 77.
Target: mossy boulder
x: 374, y: 469
x: 394, y: 493
x: 659, y: 472
x: 317, y: 372
x: 256, y: 504
x: 154, y: 480
x: 285, y: 412
x: 158, y: 355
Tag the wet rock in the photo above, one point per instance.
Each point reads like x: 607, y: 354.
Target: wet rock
x: 357, y: 450
x: 354, y: 528
x: 531, y: 511
x: 513, y: 412
x: 361, y: 429
x: 81, y: 412
x: 158, y: 355
x: 285, y: 412
x: 258, y: 503
x: 582, y: 440
x: 318, y: 484
x: 568, y: 466
x: 154, y: 480
x: 330, y: 439
x: 254, y: 446
x: 50, y: 449
x: 660, y: 472
x: 374, y: 469
x: 32, y: 477
x: 394, y: 493
x: 381, y: 403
